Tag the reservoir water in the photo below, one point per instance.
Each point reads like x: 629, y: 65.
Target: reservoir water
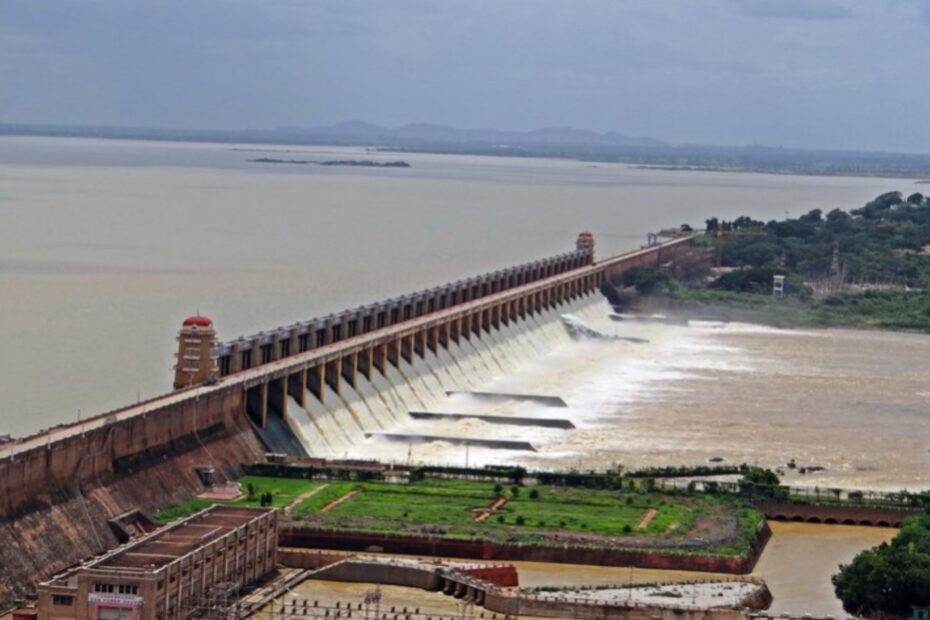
x: 106, y: 245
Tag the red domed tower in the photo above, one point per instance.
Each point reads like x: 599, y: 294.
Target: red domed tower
x: 197, y: 359
x: 585, y: 243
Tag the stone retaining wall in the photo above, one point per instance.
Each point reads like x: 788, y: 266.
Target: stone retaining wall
x: 310, y: 537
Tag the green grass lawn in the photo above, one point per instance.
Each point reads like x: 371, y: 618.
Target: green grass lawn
x: 448, y: 508
x: 283, y: 490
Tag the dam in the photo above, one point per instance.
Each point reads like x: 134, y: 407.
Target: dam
x: 314, y: 388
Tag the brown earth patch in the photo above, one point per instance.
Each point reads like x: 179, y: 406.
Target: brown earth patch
x: 485, y: 513
x: 648, y: 516
x: 337, y: 502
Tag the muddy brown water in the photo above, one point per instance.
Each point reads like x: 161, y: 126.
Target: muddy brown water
x: 107, y: 245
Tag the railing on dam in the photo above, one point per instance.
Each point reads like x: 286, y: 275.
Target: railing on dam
x: 265, y: 347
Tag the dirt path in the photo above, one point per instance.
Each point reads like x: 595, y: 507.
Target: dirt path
x: 484, y: 514
x: 291, y: 504
x: 647, y: 519
x: 336, y: 502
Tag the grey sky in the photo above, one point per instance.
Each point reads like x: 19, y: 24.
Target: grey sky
x: 811, y: 73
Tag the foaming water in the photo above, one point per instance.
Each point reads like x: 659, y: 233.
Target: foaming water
x: 853, y: 403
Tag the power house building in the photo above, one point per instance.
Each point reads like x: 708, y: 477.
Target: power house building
x: 170, y: 573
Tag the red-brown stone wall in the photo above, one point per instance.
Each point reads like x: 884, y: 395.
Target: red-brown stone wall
x: 55, y: 501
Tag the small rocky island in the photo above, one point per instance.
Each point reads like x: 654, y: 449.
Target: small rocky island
x: 365, y: 163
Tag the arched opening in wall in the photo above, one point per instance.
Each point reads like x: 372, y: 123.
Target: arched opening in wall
x: 779, y: 518
x: 813, y: 520
x: 849, y: 522
x: 830, y: 521
x: 883, y: 523
x: 797, y: 519
x: 865, y: 522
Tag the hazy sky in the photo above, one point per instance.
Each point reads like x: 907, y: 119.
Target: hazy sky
x: 811, y: 73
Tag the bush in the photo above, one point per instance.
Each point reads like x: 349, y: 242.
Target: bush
x: 520, y: 520
x: 534, y: 494
x: 647, y: 281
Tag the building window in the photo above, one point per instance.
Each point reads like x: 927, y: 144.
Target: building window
x: 61, y: 599
x: 106, y: 588
x: 128, y: 589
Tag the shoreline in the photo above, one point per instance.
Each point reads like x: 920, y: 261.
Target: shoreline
x: 918, y: 177
x: 761, y: 310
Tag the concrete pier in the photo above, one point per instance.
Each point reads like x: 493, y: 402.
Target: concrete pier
x: 479, y: 442
x: 548, y: 401
x: 495, y: 419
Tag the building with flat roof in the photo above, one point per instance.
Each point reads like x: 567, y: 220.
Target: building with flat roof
x: 170, y: 573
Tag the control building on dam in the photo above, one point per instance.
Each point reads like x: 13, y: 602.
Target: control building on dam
x: 312, y: 388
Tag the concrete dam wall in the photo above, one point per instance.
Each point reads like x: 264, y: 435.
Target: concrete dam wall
x: 56, y: 502
x: 316, y: 388
x: 330, y: 421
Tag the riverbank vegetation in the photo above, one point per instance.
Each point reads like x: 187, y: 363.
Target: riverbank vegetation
x: 891, y: 578
x: 869, y: 267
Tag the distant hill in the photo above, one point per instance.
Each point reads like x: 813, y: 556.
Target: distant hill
x: 427, y: 132
x: 561, y: 142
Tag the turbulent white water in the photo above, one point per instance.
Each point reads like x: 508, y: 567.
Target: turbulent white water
x: 337, y: 425
x: 687, y: 393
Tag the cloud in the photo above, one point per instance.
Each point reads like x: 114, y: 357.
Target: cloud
x: 794, y: 9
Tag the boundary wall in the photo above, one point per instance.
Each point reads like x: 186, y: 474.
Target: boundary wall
x: 465, y: 582
x: 314, y: 538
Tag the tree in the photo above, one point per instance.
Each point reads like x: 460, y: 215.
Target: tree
x: 646, y: 281
x: 838, y: 220
x: 514, y: 491
x: 812, y: 217
x: 759, y: 482
x: 761, y: 476
x: 534, y: 494
x: 891, y: 577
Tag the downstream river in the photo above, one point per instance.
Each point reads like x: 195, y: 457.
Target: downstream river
x: 105, y: 246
